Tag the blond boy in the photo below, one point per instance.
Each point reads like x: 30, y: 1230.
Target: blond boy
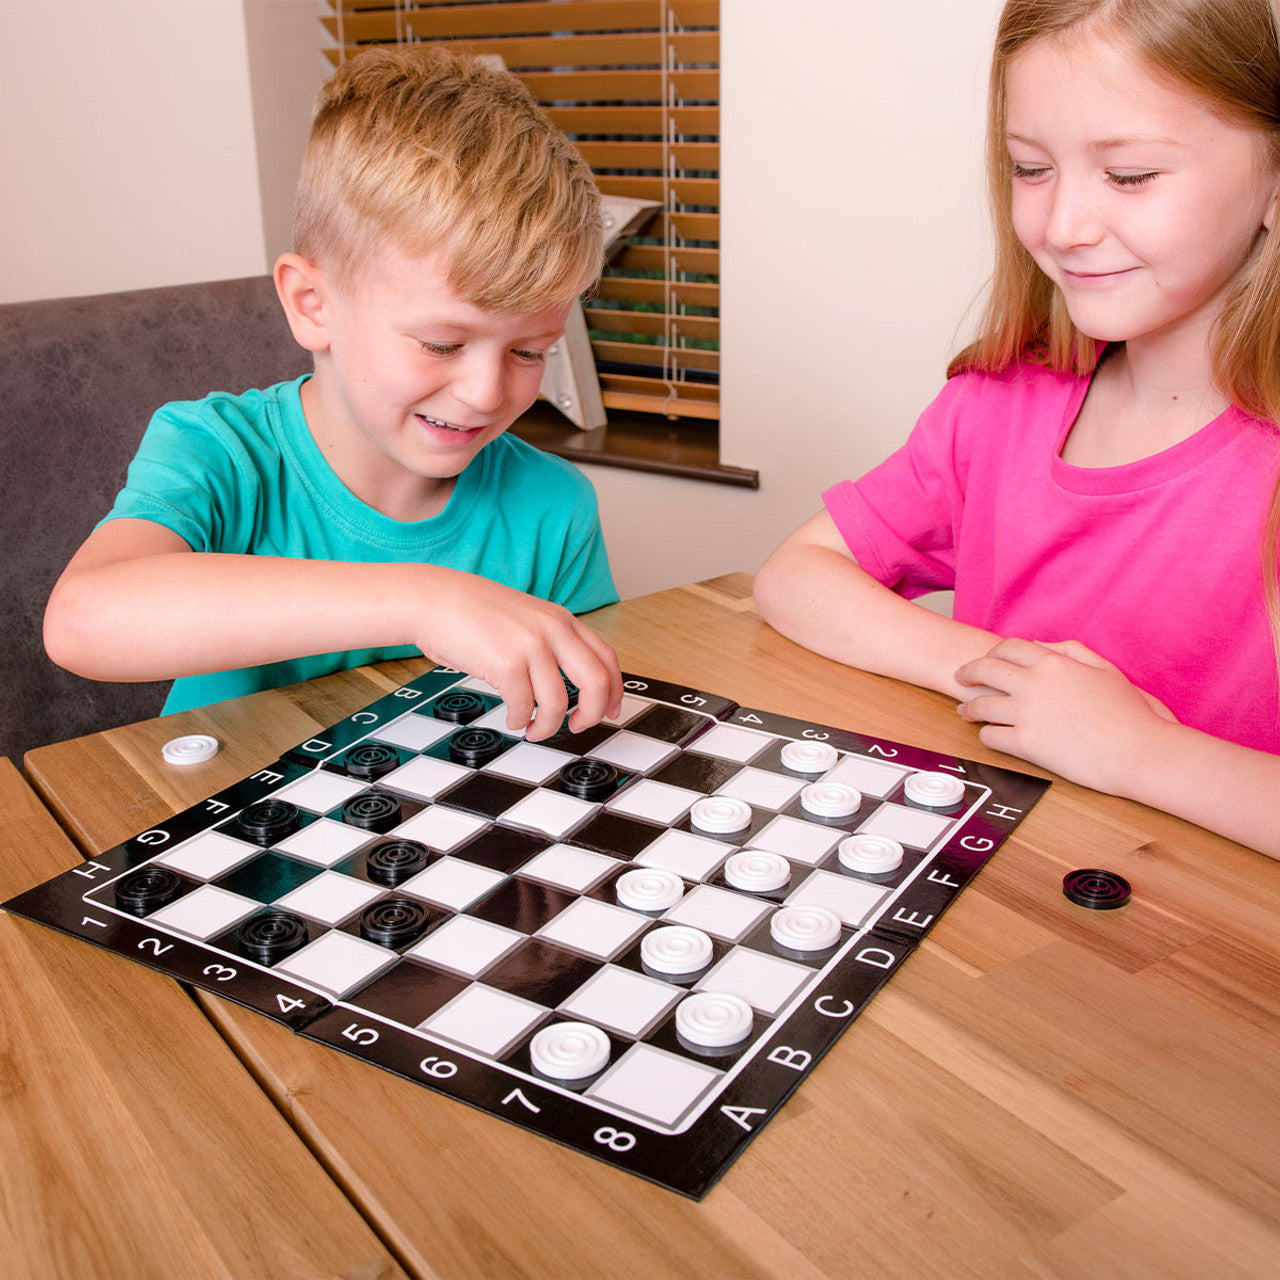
x: 375, y: 508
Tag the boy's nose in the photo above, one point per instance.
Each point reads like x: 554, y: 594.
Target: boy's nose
x: 480, y: 385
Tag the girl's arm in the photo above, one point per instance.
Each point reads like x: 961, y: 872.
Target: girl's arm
x: 1064, y: 708
x: 136, y: 603
x: 812, y: 591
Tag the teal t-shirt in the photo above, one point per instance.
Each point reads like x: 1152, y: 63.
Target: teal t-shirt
x: 242, y: 474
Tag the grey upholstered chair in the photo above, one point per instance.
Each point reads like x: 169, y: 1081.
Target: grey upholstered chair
x: 79, y: 380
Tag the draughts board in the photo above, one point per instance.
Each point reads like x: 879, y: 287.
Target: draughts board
x: 421, y: 888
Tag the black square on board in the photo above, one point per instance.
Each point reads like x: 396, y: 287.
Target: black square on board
x: 522, y: 905
x: 409, y: 993
x: 541, y: 972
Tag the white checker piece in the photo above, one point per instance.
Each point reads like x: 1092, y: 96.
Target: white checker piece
x: 204, y: 912
x: 449, y: 882
x: 633, y: 751
x: 550, y: 812
x: 765, y: 982
x: 336, y: 963
x: 466, y: 945
x: 208, y: 855
x: 415, y: 732
x: 719, y: 912
x: 594, y: 927
x: 324, y: 842
x: 626, y: 1002
x: 320, y: 791
x: 728, y: 742
x: 657, y: 801
x: 692, y: 857
x: 330, y: 897
x: 440, y: 829
x: 871, y: 777
x: 425, y: 777
x: 912, y: 827
x: 529, y: 762
x: 659, y: 1086
x: 763, y: 789
x: 483, y: 1019
x: 852, y: 900
x: 799, y: 841
x: 568, y: 867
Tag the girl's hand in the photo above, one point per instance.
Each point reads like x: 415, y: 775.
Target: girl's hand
x: 1063, y: 707
x: 520, y: 645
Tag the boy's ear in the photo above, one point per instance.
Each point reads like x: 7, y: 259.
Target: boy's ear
x: 300, y: 285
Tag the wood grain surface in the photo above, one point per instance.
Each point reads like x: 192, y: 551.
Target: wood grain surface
x: 132, y: 1140
x: 1040, y: 1091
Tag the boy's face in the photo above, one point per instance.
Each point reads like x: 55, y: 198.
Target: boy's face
x: 413, y: 381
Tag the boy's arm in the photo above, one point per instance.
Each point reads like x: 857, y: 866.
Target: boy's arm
x: 813, y: 591
x: 1064, y: 708
x: 136, y: 603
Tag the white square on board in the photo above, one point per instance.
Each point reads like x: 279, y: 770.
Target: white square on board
x: 321, y: 791
x: 633, y: 752
x: 204, y: 912
x: 483, y: 1019
x: 595, y: 928
x: 480, y: 686
x: 330, y: 897
x: 440, y: 828
x: 451, y: 883
x: 728, y: 742
x: 799, y: 841
x: 568, y: 867
x: 414, y: 732
x: 763, y: 789
x: 871, y: 777
x: 496, y: 720
x: 719, y: 912
x: 336, y: 962
x: 654, y: 1084
x: 529, y: 762
x: 550, y: 812
x: 631, y: 707
x: 425, y: 777
x: 689, y: 856
x: 912, y: 827
x: 622, y: 1001
x: 765, y: 982
x: 208, y: 855
x: 324, y: 841
x: 656, y: 801
x: 466, y: 945
x: 851, y: 899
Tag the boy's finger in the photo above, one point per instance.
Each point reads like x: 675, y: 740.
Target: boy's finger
x: 551, y: 700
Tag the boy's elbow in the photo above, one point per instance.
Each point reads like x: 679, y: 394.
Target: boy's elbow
x: 68, y: 629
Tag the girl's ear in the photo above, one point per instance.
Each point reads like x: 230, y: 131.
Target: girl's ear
x: 300, y: 286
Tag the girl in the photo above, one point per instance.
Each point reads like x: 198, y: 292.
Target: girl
x: 1098, y: 479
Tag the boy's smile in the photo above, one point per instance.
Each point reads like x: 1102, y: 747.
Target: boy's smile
x: 412, y: 381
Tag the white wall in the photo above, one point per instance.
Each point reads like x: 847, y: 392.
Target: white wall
x: 151, y: 142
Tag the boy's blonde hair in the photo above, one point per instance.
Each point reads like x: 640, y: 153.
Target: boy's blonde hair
x: 1225, y: 51
x: 418, y: 148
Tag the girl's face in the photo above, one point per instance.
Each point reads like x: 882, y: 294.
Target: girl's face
x: 1133, y: 197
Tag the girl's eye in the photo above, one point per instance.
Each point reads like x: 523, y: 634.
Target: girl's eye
x: 1130, y: 179
x: 440, y: 348
x: 1028, y: 172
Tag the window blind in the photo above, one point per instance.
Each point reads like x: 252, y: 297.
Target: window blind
x: 635, y: 85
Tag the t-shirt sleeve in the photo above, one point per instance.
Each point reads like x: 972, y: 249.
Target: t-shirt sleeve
x: 901, y: 521
x: 193, y: 475
x: 583, y: 579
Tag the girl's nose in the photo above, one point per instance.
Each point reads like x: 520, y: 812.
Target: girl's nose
x: 1073, y: 215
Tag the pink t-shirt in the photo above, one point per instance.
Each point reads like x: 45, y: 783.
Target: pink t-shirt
x: 1155, y: 565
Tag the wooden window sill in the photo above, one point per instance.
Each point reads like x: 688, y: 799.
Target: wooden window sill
x: 638, y: 442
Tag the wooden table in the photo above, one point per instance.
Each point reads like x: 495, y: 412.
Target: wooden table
x: 1041, y: 1091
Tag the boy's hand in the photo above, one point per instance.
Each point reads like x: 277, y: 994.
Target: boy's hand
x: 520, y: 645
x: 1061, y: 706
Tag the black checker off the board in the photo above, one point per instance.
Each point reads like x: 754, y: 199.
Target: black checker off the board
x: 424, y: 889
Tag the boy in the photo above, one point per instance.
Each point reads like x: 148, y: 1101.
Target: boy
x: 375, y: 508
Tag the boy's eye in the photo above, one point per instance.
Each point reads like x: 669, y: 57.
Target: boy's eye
x: 1028, y: 172
x: 440, y: 348
x: 531, y: 357
x: 1130, y: 179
